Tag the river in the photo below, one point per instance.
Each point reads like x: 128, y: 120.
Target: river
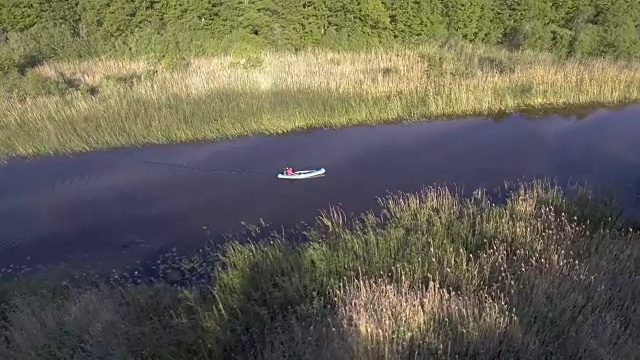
x: 118, y: 207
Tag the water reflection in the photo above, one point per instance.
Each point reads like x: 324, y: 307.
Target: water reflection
x: 119, y: 207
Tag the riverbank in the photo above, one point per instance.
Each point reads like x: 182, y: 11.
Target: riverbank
x: 435, y: 274
x: 75, y: 107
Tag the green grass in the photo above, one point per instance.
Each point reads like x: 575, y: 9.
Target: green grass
x: 433, y: 274
x: 74, y: 107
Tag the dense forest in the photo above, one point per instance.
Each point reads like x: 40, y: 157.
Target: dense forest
x: 84, y: 28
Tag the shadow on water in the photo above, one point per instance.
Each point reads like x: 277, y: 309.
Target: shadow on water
x: 121, y: 208
x: 576, y: 113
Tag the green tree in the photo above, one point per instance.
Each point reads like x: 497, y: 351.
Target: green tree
x: 314, y: 22
x: 619, y: 21
x: 469, y: 19
x: 533, y: 25
x: 70, y: 28
x: 357, y: 24
x: 416, y: 21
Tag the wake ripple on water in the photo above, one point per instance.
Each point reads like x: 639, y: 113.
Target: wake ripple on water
x: 103, y: 202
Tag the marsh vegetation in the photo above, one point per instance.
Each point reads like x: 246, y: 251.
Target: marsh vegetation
x: 114, y: 103
x: 432, y: 274
x: 86, y: 74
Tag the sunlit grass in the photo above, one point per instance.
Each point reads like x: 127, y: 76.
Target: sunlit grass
x: 434, y: 274
x: 119, y: 103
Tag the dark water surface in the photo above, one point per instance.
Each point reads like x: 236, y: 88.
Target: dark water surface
x: 118, y: 207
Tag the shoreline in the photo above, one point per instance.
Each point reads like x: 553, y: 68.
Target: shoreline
x: 531, y: 113
x: 540, y: 241
x: 111, y: 104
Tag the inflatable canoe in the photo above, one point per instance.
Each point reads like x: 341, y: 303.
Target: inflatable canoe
x: 303, y: 174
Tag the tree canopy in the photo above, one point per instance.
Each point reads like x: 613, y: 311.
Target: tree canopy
x: 81, y: 28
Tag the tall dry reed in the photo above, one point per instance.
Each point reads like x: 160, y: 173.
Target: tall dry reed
x: 433, y: 275
x: 122, y: 103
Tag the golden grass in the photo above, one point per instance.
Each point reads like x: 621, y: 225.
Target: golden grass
x: 363, y: 74
x: 141, y: 102
x: 395, y: 320
x: 440, y: 277
x: 433, y: 276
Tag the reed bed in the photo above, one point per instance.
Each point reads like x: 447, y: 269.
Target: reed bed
x: 433, y: 275
x: 113, y: 103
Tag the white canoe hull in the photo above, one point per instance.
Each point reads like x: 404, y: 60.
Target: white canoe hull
x: 305, y: 174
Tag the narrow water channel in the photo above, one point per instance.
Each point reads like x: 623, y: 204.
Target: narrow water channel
x: 121, y: 206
